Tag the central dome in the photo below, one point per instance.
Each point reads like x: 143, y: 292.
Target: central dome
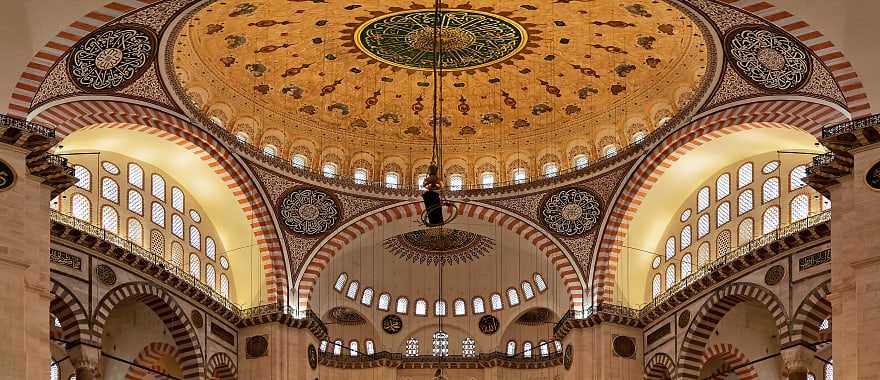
x: 542, y: 80
x: 468, y: 39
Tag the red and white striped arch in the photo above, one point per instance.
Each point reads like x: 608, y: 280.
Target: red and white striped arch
x: 331, y: 246
x: 38, y: 67
x: 69, y: 117
x: 843, y: 71
x: 769, y: 114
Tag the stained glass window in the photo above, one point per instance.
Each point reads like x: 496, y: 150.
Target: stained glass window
x: 158, y: 187
x: 402, y: 305
x: 337, y: 347
x: 83, y: 177
x: 519, y: 175
x: 158, y: 214
x: 224, y: 262
x: 329, y: 170
x: 392, y: 180
x: 299, y: 161
x: 210, y: 275
x: 722, y: 186
x: 367, y: 296
x: 177, y: 225
x: 468, y: 347
x: 746, y: 231
x: 224, y: 286
x: 177, y: 199
x: 703, y: 255
x: 135, y: 232
x: 136, y: 176
x: 109, y: 219
x: 800, y: 208
x: 544, y: 348
x: 459, y: 307
x: 81, y: 207
x: 797, y: 176
x: 745, y: 202
x: 384, y: 301
x: 528, y: 292
x: 496, y: 301
x: 360, y: 175
x: 195, y: 237
x: 539, y: 282
x: 703, y: 199
x: 656, y: 286
x: 412, y: 347
x: 670, y: 276
x: 421, y: 307
x: 527, y: 349
x: 770, y: 189
x: 353, y: 348
x: 512, y: 297
x: 770, y: 220
x: 686, y: 265
x: 829, y: 370
x: 110, y: 190
x: 656, y: 262
x: 770, y: 167
x: 511, y: 348
x: 135, y: 202
x: 270, y: 150
x: 670, y: 248
x: 210, y: 248
x: 551, y: 169
x: 479, y: 308
x: 110, y: 167
x: 340, y: 282
x: 685, y: 215
x: 440, y: 344
x: 352, y: 290
x: 195, y: 266
x: 703, y: 226
x: 487, y: 180
x: 581, y: 161
x: 744, y: 175
x: 685, y: 239
x: 723, y: 214
x: 456, y: 182
x: 370, y: 347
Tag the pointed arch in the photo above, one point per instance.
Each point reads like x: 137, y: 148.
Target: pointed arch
x: 166, y: 308
x: 713, y: 311
x: 221, y: 367
x: 660, y: 367
x: 151, y: 357
x: 71, y: 314
x: 732, y: 359
x: 809, y: 315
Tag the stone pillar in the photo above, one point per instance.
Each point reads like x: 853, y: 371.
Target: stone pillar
x: 594, y: 357
x: 796, y: 361
x: 24, y: 270
x: 855, y: 285
x: 85, y: 360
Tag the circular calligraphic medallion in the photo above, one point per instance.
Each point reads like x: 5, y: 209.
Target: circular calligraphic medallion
x: 105, y: 274
x: 684, y: 318
x: 568, y: 356
x: 489, y: 324
x: 7, y: 176
x: 873, y: 176
x: 257, y: 346
x: 469, y: 39
x: 308, y: 211
x: 392, y: 324
x: 769, y: 59
x: 113, y: 58
x: 313, y: 356
x: 774, y: 275
x: 571, y: 212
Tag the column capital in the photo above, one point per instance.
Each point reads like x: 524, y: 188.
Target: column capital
x: 85, y: 360
x: 796, y: 361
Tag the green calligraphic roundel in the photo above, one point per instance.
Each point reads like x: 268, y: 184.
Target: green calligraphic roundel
x: 468, y: 39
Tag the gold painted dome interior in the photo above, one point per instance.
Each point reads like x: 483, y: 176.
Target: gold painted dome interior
x: 524, y: 83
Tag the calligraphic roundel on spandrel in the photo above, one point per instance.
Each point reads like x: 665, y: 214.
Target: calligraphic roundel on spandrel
x: 768, y: 59
x: 571, y: 212
x: 308, y: 211
x: 112, y: 59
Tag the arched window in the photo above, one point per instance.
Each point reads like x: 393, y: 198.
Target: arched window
x: 459, y: 307
x: 539, y: 282
x: 685, y: 215
x: 723, y: 242
x: 550, y: 169
x: 195, y: 266
x: 796, y: 177
x: 392, y: 180
x: 337, y: 347
x: 609, y: 150
x: 135, y: 202
x: 360, y: 175
x: 224, y: 262
x: 384, y: 302
x: 670, y: 276
x: 270, y: 150
x: 770, y: 167
x: 824, y: 325
x: 54, y: 203
x: 580, y: 161
x: 177, y: 254
x: 299, y: 161
x: 746, y: 231
x: 829, y: 370
x: 370, y: 347
x: 242, y: 137
x: 195, y: 216
x: 420, y: 181
x: 353, y: 348
x: 352, y: 290
x: 770, y: 221
x: 518, y: 175
x: 826, y: 204
x: 487, y: 180
x: 53, y: 371
x: 770, y: 189
x: 177, y: 199
x: 656, y: 286
x: 528, y: 292
x: 456, y: 182
x: 686, y: 265
x: 157, y: 187
x: 685, y: 239
x: 412, y: 347
x: 323, y: 346
x: 440, y: 344
x: 109, y: 219
x: 800, y: 208
x: 81, y: 207
x: 703, y: 226
x: 210, y: 248
x: 468, y: 347
x: 195, y: 237
x: 367, y: 296
x: 511, y: 348
x: 638, y: 137
x: 703, y: 199
x: 723, y: 214
x: 479, y: 307
x: 745, y: 202
x: 527, y: 349
x: 136, y: 176
x: 703, y: 255
x: 83, y: 177
x: 440, y: 308
x: 402, y: 305
x: 340, y: 282
x: 744, y: 175
x: 544, y: 348
x: 655, y: 263
x: 210, y: 276
x: 110, y: 190
x: 558, y: 345
x: 177, y: 225
x: 329, y: 170
x: 421, y: 307
x: 135, y: 232
x: 224, y: 286
x: 811, y: 376
x: 512, y: 297
x: 157, y: 243
x: 495, y: 298
x: 670, y: 248
x: 722, y: 186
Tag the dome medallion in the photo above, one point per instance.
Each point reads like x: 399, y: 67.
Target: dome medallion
x: 571, y: 212
x: 468, y: 39
x: 308, y: 211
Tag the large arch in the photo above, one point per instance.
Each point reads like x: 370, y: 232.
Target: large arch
x: 660, y: 367
x: 189, y: 351
x: 733, y: 360
x: 72, y: 116
x: 335, y: 242
x: 71, y: 314
x: 765, y: 115
x: 696, y: 339
x: 809, y: 315
x: 221, y: 367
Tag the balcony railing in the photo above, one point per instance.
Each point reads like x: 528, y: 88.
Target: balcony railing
x: 60, y: 162
x: 852, y: 125
x: 17, y: 123
x: 447, y: 361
